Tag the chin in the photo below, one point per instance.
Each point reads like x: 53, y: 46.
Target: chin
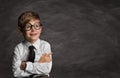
x: 33, y: 39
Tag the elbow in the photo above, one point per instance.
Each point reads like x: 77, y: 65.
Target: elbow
x: 15, y: 75
x: 47, y: 71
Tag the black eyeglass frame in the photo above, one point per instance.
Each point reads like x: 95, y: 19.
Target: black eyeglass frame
x: 31, y: 26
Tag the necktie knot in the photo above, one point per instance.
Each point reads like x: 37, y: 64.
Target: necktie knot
x: 31, y: 47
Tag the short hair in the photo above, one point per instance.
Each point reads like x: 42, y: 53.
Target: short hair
x: 25, y: 17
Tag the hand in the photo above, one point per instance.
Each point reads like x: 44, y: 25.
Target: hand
x: 23, y: 65
x: 45, y: 58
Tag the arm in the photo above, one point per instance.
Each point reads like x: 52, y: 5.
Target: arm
x: 38, y: 68
x: 44, y: 64
x: 16, y: 64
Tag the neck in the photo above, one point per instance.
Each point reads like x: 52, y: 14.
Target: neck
x: 32, y: 42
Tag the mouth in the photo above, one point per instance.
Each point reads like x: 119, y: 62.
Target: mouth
x: 33, y: 34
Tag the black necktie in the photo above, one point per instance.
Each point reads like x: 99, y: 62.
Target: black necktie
x: 31, y: 56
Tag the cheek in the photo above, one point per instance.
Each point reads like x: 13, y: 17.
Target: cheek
x: 39, y: 31
x: 27, y: 33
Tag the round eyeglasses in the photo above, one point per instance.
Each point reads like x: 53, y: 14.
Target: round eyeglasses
x: 29, y: 26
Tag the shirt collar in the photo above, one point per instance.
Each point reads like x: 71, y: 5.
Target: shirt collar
x: 35, y: 44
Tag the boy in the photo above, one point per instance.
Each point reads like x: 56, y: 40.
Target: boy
x: 32, y: 57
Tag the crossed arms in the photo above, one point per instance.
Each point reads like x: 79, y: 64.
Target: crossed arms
x: 26, y: 68
x: 45, y: 58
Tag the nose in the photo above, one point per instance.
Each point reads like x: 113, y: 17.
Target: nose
x: 32, y: 28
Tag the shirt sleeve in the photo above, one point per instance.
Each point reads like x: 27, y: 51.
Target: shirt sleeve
x: 40, y: 68
x: 17, y: 72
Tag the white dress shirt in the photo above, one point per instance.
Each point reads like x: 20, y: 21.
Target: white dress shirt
x: 21, y: 53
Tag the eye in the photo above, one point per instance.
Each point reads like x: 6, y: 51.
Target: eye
x: 37, y: 25
x: 28, y: 26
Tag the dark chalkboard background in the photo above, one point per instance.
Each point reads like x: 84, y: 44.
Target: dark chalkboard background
x: 84, y: 35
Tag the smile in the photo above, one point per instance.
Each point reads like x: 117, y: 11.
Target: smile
x: 33, y: 34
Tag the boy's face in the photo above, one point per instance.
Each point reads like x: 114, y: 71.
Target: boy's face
x: 32, y: 30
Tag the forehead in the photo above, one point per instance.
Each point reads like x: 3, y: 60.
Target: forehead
x: 32, y: 21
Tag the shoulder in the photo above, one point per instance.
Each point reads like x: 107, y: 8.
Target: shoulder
x: 43, y: 42
x: 19, y: 45
x: 45, y: 46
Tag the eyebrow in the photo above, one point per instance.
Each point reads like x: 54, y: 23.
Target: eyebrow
x: 36, y: 22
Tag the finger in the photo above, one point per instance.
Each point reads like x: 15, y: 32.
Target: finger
x: 49, y: 60
x: 49, y: 53
x: 44, y: 54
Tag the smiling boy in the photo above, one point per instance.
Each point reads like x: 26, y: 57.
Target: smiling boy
x: 32, y: 57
